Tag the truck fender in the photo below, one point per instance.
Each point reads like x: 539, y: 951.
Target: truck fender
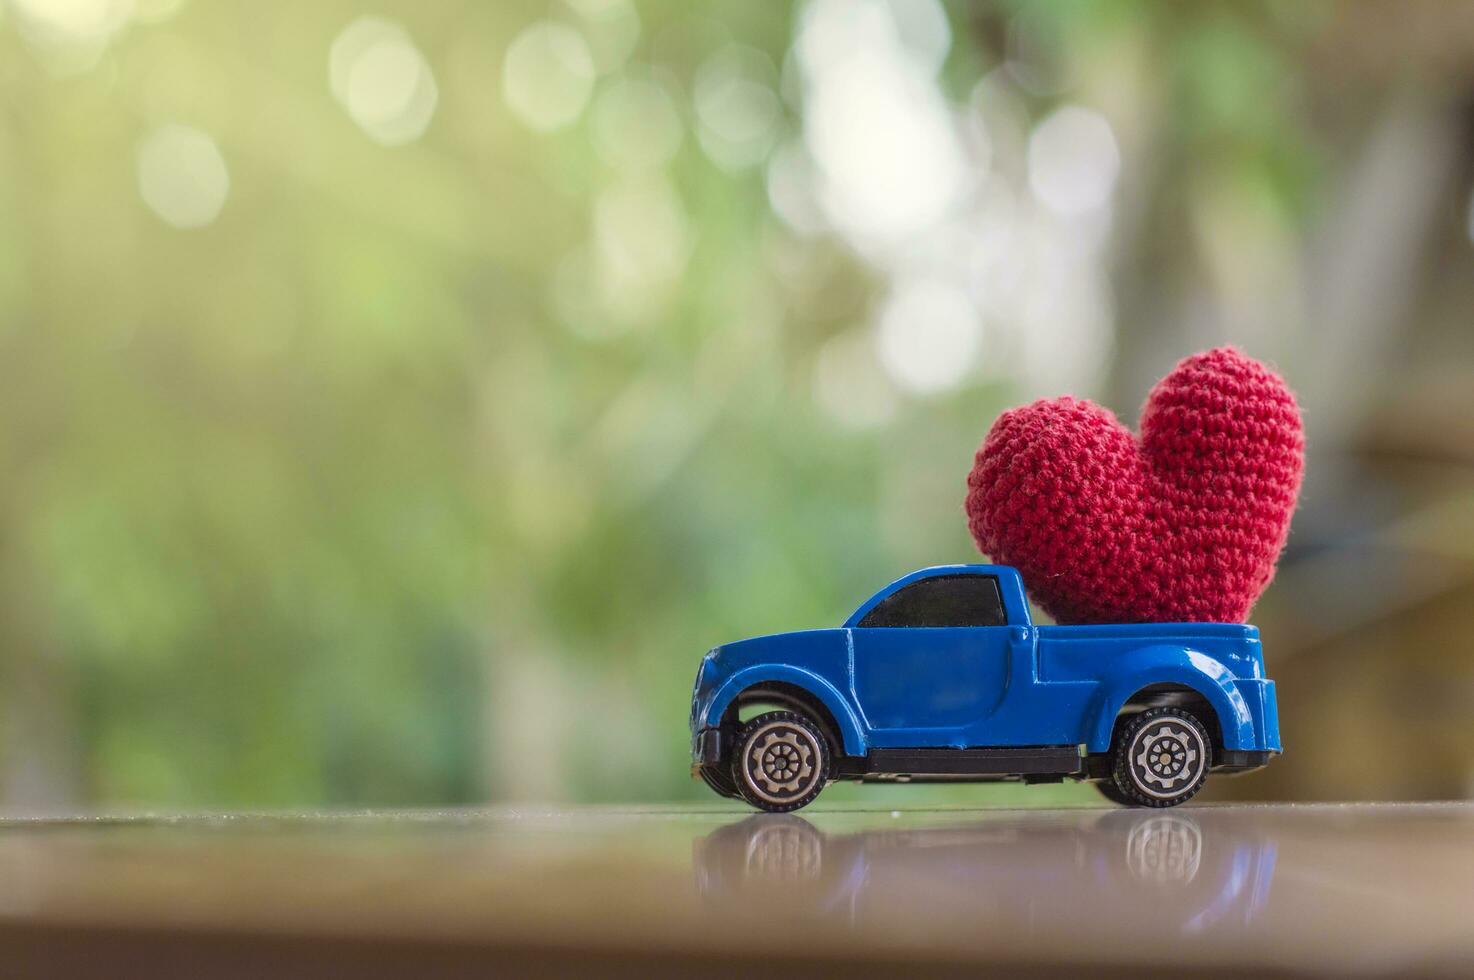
x: 1172, y: 665
x: 844, y: 716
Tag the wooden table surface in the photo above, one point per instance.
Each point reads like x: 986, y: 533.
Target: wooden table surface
x: 1285, y: 890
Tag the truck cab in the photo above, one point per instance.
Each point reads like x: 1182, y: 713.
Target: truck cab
x: 942, y: 675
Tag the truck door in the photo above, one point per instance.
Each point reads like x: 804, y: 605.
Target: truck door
x: 933, y: 656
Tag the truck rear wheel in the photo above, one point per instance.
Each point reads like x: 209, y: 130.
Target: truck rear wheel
x: 1162, y: 757
x: 781, y: 761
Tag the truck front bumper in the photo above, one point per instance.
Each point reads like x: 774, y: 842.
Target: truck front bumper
x: 706, y: 747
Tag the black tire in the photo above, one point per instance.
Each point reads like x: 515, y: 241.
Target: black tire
x: 1162, y: 757
x: 719, y: 778
x: 1108, y: 789
x: 781, y: 761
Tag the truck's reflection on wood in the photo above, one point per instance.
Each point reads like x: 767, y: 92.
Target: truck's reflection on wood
x: 1033, y: 877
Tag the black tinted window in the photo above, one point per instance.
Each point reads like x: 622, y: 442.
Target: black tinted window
x: 948, y: 600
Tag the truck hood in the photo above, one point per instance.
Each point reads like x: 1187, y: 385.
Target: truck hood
x: 801, y: 648
x: 732, y: 657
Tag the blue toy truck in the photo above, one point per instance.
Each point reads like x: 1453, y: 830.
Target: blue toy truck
x: 942, y: 676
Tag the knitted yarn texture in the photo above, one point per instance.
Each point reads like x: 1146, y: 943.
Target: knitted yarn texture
x: 1183, y: 524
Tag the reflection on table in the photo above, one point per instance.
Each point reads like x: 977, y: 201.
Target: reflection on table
x: 1023, y: 876
x: 661, y: 891
x: 1321, y: 887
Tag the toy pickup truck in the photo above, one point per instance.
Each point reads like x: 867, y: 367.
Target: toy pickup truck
x: 942, y: 676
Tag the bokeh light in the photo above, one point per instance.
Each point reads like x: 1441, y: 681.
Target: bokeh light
x: 383, y: 80
x: 634, y: 124
x: 642, y: 239
x: 612, y: 28
x: 72, y: 21
x: 791, y: 184
x: 1073, y: 160
x: 548, y: 75
x: 875, y: 122
x: 71, y: 35
x: 182, y: 175
x: 737, y: 109
x: 929, y: 336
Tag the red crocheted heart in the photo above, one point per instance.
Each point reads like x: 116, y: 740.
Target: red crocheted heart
x: 1181, y: 525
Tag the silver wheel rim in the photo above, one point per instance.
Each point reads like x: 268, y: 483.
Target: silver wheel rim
x: 781, y: 762
x: 1167, y: 756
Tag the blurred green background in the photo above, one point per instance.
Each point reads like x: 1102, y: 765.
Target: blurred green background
x: 397, y: 399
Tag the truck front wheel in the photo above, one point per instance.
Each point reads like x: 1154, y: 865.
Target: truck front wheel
x: 1107, y: 788
x: 781, y: 761
x: 719, y: 780
x: 1162, y: 757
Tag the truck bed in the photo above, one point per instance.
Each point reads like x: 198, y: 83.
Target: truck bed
x: 1237, y: 631
x: 1076, y: 652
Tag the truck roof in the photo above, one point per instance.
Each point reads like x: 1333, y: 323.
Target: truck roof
x: 1005, y: 573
